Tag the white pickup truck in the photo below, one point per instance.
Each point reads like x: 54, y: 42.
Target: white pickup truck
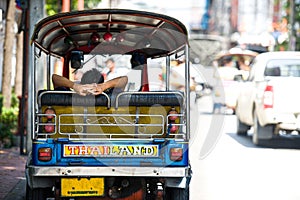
x: 269, y: 100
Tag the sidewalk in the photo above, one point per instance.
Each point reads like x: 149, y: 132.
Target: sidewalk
x: 12, y: 172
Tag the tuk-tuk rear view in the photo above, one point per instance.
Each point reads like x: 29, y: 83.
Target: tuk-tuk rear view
x: 104, y: 125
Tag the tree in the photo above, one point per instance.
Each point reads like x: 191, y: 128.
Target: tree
x: 292, y: 8
x: 19, y: 64
x: 54, y: 6
x: 8, y: 51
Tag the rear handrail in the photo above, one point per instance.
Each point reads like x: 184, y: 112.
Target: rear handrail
x: 81, y: 130
x: 107, y: 125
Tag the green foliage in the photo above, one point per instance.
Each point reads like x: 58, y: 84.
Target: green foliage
x: 295, y: 21
x: 14, y: 101
x: 8, y: 122
x: 8, y: 125
x: 51, y: 7
x: 54, y: 6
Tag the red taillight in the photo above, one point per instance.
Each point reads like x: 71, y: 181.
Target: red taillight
x: 45, y: 154
x: 172, y: 117
x: 49, y: 128
x: 268, y: 97
x: 173, y: 128
x: 173, y: 114
x: 50, y: 114
x: 176, y: 154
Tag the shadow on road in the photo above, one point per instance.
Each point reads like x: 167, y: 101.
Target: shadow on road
x: 277, y: 143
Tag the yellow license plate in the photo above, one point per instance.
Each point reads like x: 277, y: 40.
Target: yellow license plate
x: 78, y: 187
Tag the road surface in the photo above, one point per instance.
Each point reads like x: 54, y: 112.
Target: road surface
x: 232, y: 168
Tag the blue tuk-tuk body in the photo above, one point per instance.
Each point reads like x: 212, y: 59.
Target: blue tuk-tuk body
x: 130, y: 144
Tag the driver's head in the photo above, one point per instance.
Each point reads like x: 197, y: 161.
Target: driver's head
x: 92, y: 76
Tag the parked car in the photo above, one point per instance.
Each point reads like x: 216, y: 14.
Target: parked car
x: 269, y: 100
x: 230, y: 68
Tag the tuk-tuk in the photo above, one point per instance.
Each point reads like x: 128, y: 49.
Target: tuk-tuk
x: 231, y: 68
x: 128, y: 144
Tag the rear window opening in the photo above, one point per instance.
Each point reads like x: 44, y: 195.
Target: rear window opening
x: 285, y: 68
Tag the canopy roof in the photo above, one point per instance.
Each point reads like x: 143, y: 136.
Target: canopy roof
x: 110, y: 31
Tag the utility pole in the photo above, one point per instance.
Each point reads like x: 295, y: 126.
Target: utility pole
x: 292, y: 34
x: 36, y: 7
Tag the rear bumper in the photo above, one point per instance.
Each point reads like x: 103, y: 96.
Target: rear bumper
x: 46, y: 176
x: 288, y: 126
x: 283, y: 121
x: 41, y: 171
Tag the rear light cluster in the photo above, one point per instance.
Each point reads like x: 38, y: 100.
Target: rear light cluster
x: 176, y: 154
x: 268, y: 97
x: 172, y: 117
x: 45, y: 154
x: 50, y: 116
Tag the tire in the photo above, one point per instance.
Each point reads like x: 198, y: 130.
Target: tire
x: 177, y: 194
x: 38, y: 193
x: 261, y: 134
x: 242, y: 128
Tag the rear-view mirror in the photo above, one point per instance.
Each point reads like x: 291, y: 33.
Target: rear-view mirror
x: 76, y: 59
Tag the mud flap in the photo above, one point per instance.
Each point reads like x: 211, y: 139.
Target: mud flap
x: 266, y: 132
x: 176, y: 182
x: 182, y: 182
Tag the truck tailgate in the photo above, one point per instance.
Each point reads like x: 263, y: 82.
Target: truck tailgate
x: 286, y: 94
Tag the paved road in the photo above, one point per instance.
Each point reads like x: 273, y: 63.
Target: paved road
x: 234, y: 169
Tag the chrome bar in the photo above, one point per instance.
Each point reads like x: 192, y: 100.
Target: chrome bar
x: 42, y: 171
